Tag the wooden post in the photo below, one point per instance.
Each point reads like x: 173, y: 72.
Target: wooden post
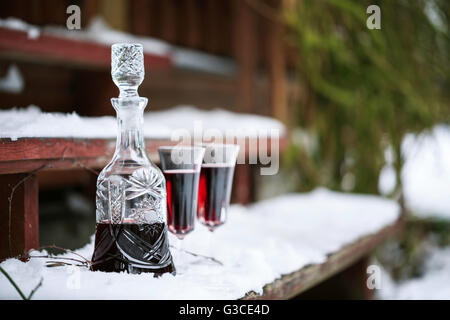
x: 245, y: 48
x: 277, y: 68
x: 214, y: 13
x: 169, y: 21
x: 21, y: 233
x: 192, y: 37
x: 243, y: 189
x: 89, y: 11
x: 92, y: 90
x: 140, y: 17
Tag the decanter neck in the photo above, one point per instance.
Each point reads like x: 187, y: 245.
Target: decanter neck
x: 130, y: 142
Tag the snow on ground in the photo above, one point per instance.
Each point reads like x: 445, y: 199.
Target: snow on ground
x: 32, y: 122
x: 257, y: 245
x: 434, y: 284
x: 426, y: 173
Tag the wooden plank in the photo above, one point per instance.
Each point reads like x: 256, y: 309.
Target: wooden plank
x: 21, y: 233
x: 169, y: 21
x: 291, y: 285
x: 212, y: 21
x: 54, y: 148
x: 245, y: 48
x: 51, y: 164
x: 140, y: 17
x: 54, y: 80
x: 25, y: 155
x: 277, y: 69
x: 187, y: 87
x: 54, y: 49
x: 89, y: 9
x: 349, y: 284
x: 192, y: 36
x: 74, y: 148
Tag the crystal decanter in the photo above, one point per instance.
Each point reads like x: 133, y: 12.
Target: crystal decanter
x: 131, y: 230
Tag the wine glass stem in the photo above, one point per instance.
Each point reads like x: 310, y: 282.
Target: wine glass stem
x: 180, y: 252
x: 210, y: 246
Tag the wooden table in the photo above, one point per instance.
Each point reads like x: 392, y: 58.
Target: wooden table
x: 343, y: 275
x: 21, y: 159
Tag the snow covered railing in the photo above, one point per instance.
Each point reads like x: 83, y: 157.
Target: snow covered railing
x: 30, y: 139
x: 20, y: 40
x: 91, y: 47
x: 277, y: 248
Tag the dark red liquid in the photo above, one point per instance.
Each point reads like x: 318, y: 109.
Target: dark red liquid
x: 133, y: 248
x: 214, y: 194
x: 182, y: 188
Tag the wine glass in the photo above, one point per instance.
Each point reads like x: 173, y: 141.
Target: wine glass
x: 181, y: 167
x: 216, y: 179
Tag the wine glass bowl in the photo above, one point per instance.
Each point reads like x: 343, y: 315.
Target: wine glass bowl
x: 216, y: 179
x: 181, y: 168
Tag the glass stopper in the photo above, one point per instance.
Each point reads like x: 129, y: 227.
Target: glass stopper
x: 127, y: 67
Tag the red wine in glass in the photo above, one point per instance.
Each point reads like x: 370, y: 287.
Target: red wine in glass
x: 133, y: 248
x: 214, y: 193
x: 181, y: 186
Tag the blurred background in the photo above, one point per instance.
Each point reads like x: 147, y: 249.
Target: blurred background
x: 367, y: 110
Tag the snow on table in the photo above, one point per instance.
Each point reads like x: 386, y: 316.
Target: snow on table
x: 257, y: 245
x: 32, y: 122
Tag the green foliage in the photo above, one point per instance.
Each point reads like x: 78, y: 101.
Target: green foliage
x: 363, y: 90
x: 405, y: 257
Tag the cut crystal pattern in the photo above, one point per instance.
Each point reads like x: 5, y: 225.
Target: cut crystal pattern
x: 145, y: 180
x: 127, y: 64
x: 117, y: 199
x: 146, y: 211
x: 100, y: 200
x: 131, y: 231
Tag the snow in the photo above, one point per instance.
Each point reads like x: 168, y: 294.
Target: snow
x: 426, y: 173
x: 432, y: 285
x: 32, y: 122
x: 192, y: 59
x: 12, y: 23
x: 99, y: 31
x: 191, y: 118
x: 13, y: 81
x: 257, y: 245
